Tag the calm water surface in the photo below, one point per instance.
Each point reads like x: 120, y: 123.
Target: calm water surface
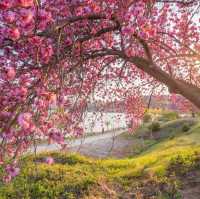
x: 100, y: 122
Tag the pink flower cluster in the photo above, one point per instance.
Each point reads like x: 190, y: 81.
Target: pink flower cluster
x: 49, y: 160
x: 11, y: 73
x: 57, y: 137
x: 11, y: 171
x: 25, y: 120
x: 6, y: 4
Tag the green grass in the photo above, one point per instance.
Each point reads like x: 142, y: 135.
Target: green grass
x: 167, y: 129
x: 75, y: 176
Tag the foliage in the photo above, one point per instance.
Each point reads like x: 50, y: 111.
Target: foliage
x: 74, y: 176
x: 182, y: 164
x: 154, y: 126
x: 185, y: 128
x: 147, y: 118
x: 167, y: 129
x: 168, y: 116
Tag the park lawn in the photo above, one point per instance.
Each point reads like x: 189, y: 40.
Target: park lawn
x: 75, y: 176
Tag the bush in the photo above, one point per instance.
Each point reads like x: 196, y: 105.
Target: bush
x: 147, y: 118
x: 154, y: 126
x: 62, y: 158
x: 185, y: 128
x: 169, y: 116
x: 68, y: 180
x: 182, y: 164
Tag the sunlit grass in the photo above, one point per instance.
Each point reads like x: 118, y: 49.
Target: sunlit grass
x: 73, y: 175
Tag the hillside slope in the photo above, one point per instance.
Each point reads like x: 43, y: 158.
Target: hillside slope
x: 165, y: 170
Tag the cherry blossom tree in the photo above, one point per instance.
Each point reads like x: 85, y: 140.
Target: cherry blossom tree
x: 55, y: 56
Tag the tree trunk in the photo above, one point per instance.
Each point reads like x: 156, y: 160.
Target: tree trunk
x: 189, y: 91
x: 177, y: 86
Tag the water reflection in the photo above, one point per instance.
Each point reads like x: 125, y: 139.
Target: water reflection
x: 102, y: 121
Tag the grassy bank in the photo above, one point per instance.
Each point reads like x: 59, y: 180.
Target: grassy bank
x: 148, y: 174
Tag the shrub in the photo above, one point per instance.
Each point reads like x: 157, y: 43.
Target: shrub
x: 154, y: 126
x: 185, y: 128
x: 182, y: 164
x: 62, y: 158
x: 50, y: 182
x: 147, y: 118
x: 169, y: 116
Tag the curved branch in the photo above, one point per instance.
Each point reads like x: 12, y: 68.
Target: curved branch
x: 189, y: 91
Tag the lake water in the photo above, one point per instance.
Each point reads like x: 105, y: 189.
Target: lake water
x: 100, y: 122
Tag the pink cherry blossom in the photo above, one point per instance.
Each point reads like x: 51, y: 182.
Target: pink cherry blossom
x: 10, y: 17
x: 8, y: 135
x: 11, y: 73
x: 1, y: 161
x: 45, y: 18
x: 7, y: 179
x: 68, y: 41
x: 24, y: 120
x: 56, y: 136
x: 52, y: 99
x: 49, y: 160
x: 35, y: 40
x: 23, y: 91
x: 12, y: 170
x: 46, y: 53
x: 25, y: 3
x: 14, y: 34
x: 27, y: 16
x: 5, y: 4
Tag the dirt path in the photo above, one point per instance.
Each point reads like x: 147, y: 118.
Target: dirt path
x: 191, y: 185
x: 99, y: 146
x: 115, y: 146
